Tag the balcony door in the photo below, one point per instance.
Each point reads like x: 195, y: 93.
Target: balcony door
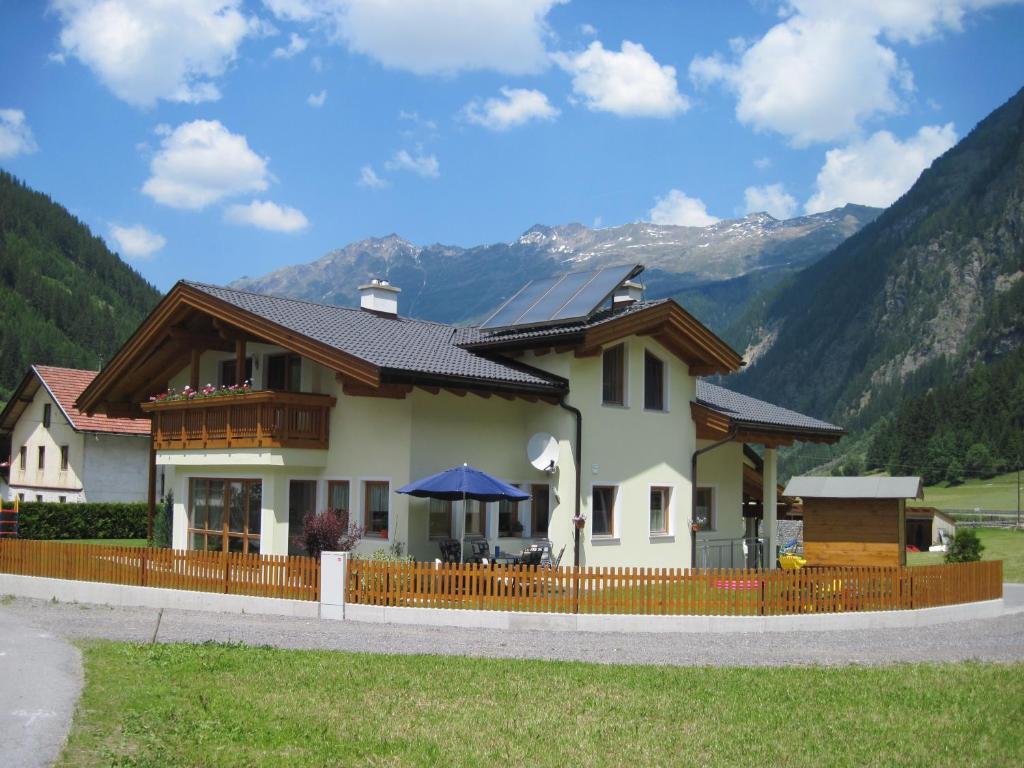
x: 224, y: 514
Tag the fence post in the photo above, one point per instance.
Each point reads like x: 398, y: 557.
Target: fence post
x: 333, y: 581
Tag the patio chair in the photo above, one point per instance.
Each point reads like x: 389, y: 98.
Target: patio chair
x: 451, y: 550
x: 479, y: 550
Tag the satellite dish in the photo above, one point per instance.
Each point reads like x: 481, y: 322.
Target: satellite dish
x: 542, y: 451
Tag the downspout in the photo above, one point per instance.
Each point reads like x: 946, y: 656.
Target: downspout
x: 578, y: 461
x: 693, y: 489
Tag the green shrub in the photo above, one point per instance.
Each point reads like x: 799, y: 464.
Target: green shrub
x: 965, y: 547
x: 163, y: 523
x: 51, y: 520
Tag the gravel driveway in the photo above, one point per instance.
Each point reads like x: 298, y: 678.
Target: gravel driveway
x: 1000, y: 639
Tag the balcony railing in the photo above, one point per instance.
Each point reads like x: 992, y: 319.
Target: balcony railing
x: 261, y: 419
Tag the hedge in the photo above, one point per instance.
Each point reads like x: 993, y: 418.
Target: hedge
x: 51, y: 520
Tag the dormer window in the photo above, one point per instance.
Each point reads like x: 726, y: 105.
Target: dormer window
x: 613, y: 389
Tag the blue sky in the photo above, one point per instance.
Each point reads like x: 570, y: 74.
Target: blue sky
x: 210, y: 139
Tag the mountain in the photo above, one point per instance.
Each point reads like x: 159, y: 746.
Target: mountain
x: 65, y: 298
x: 916, y: 299
x: 453, y: 284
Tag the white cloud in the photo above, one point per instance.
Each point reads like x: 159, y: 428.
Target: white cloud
x: 317, y: 100
x: 676, y: 208
x: 136, y: 242
x: 369, y: 178
x: 588, y: 29
x: 267, y: 215
x: 202, y: 162
x: 629, y: 83
x: 423, y: 165
x: 516, y: 106
x: 145, y: 50
x: 824, y: 71
x: 763, y: 163
x: 434, y: 36
x: 296, y: 45
x: 876, y: 171
x: 772, y: 198
x: 15, y: 135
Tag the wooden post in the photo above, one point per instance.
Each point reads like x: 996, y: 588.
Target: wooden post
x: 151, y: 490
x: 240, y: 362
x: 193, y: 378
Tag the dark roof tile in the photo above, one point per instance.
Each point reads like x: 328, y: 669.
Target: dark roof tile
x: 751, y: 411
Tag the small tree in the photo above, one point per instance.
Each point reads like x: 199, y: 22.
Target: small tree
x: 327, y: 531
x: 163, y: 523
x: 965, y: 548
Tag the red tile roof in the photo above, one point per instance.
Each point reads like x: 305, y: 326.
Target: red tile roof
x: 66, y: 384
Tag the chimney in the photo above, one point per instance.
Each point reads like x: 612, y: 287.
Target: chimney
x: 626, y: 294
x: 379, y: 297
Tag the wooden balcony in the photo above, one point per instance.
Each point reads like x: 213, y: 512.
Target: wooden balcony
x: 261, y: 419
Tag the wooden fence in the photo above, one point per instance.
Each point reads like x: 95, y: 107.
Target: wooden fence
x: 297, y: 578
x: 670, y: 591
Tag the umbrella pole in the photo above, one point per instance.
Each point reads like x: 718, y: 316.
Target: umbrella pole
x: 462, y: 543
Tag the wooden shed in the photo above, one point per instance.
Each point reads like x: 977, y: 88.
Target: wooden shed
x: 855, y: 520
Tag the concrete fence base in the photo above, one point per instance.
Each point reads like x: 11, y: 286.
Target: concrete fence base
x: 68, y: 591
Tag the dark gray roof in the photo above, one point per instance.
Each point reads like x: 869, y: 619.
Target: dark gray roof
x: 480, y: 339
x: 393, y: 344
x: 874, y: 487
x: 749, y: 411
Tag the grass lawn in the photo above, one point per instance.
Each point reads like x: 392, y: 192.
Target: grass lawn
x: 1000, y: 544
x: 226, y: 705
x: 108, y: 542
x: 999, y: 492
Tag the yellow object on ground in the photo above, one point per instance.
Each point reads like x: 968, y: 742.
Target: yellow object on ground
x: 791, y: 562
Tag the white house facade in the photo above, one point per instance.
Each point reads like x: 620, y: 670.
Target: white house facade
x: 337, y: 408
x: 59, y: 454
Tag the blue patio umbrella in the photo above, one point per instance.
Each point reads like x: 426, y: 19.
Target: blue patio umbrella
x: 463, y: 483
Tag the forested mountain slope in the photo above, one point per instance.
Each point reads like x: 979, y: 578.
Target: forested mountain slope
x: 65, y: 298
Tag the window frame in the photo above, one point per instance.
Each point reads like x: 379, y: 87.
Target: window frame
x: 364, y: 487
x: 447, y: 534
x: 664, y: 382
x: 250, y: 365
x: 47, y: 415
x: 290, y: 358
x: 624, y: 373
x: 292, y: 532
x: 41, y: 462
x: 65, y: 458
x: 23, y: 458
x: 668, y: 505
x: 613, y: 534
x: 713, y: 514
x: 534, y: 528
x: 249, y: 540
x: 483, y: 507
x: 332, y: 481
x: 516, y: 517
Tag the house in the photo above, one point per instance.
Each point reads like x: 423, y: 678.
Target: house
x: 855, y: 520
x: 58, y: 453
x: 928, y: 527
x: 321, y: 407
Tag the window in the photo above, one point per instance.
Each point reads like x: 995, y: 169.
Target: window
x: 659, y: 510
x: 21, y: 497
x: 22, y: 458
x: 376, y: 505
x: 225, y: 515
x: 613, y: 391
x: 604, y: 511
x: 301, y: 502
x: 508, y: 518
x: 440, y: 519
x: 62, y: 499
x: 42, y: 457
x: 284, y: 373
x: 63, y: 458
x: 47, y: 409
x: 227, y: 372
x: 39, y: 497
x: 476, y: 518
x: 704, y: 514
x: 541, y: 509
x: 654, y: 383
x: 337, y: 499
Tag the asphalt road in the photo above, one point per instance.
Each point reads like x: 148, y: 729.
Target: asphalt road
x: 40, y: 679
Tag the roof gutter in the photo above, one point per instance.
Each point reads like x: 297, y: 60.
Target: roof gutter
x: 693, y: 488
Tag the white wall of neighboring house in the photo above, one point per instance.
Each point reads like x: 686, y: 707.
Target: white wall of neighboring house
x: 101, y: 467
x: 401, y: 440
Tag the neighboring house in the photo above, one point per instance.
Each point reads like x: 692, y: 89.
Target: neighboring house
x: 928, y: 527
x: 347, y: 405
x: 58, y: 453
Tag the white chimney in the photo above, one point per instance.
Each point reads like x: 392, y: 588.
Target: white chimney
x: 379, y: 297
x: 626, y: 294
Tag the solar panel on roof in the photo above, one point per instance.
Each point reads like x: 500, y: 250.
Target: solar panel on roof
x: 569, y: 297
